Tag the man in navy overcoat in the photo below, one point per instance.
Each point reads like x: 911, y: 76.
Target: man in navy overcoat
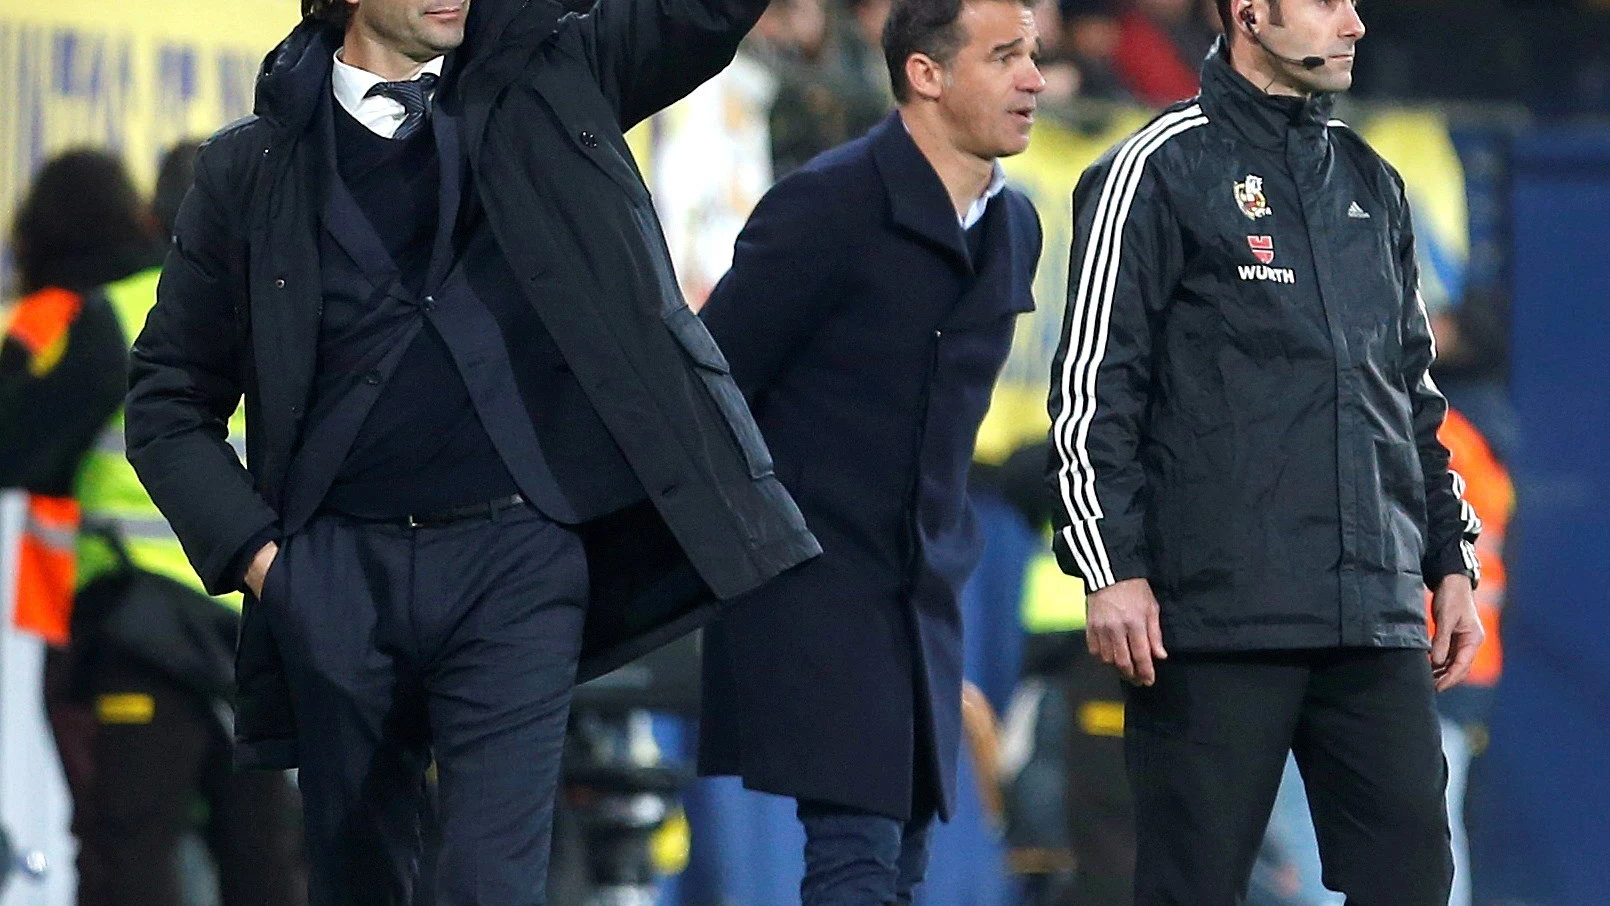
x: 869, y: 309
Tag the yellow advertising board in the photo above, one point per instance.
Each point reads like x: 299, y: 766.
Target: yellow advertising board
x: 1047, y: 173
x: 134, y: 75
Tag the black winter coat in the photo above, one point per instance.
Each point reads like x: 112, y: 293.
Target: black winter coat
x: 543, y: 98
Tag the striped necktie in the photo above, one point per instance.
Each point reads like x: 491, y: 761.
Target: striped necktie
x: 413, y: 95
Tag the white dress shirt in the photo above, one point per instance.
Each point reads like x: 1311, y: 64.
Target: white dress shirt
x: 997, y: 182
x: 380, y: 115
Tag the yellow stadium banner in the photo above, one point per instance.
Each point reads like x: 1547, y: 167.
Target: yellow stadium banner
x: 1047, y: 173
x: 1417, y: 142
x: 136, y: 77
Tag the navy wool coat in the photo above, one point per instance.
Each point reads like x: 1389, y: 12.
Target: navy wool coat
x: 867, y: 338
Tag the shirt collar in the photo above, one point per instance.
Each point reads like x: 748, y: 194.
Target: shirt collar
x: 997, y: 182
x: 380, y: 115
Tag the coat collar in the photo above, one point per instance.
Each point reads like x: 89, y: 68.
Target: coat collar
x: 1263, y: 119
x: 1003, y: 271
x: 295, y: 76
x: 918, y: 201
x: 498, y: 39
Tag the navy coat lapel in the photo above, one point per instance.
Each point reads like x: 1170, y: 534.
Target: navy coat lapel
x: 445, y: 127
x: 918, y: 201
x: 352, y: 230
x: 1001, y: 285
x: 338, y: 210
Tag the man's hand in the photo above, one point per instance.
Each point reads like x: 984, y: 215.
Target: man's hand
x: 258, y: 571
x: 1122, y: 628
x: 1459, y: 631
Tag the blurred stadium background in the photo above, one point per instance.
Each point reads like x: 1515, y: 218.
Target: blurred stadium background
x: 1496, y: 111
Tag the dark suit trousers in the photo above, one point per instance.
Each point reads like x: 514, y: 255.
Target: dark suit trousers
x: 858, y: 858
x: 457, y: 641
x: 1206, y: 746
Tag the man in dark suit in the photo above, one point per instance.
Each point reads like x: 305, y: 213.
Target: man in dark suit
x: 477, y: 410
x: 868, y: 311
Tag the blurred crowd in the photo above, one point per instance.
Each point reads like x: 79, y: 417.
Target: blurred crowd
x: 1551, y: 57
x: 833, y: 85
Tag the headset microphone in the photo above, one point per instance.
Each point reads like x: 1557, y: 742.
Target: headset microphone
x: 1305, y: 62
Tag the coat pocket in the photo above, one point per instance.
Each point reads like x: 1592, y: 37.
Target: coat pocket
x: 716, y: 374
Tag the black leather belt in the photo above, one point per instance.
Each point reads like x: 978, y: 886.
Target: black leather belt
x: 486, y: 510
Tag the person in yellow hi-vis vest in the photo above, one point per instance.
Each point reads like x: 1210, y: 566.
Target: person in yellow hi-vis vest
x: 143, y: 657
x: 61, y: 377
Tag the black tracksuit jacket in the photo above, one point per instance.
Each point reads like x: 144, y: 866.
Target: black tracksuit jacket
x: 1241, y: 406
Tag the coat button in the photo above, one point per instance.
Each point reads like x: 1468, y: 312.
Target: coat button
x: 371, y: 377
x: 280, y: 283
x: 430, y: 303
x: 588, y: 139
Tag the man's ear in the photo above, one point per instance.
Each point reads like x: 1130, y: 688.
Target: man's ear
x: 925, y: 75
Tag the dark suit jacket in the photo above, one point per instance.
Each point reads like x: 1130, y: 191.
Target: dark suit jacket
x: 867, y: 342
x: 541, y: 99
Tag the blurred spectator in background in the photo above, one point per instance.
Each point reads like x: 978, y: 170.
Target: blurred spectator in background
x: 1472, y: 366
x: 831, y: 86
x: 1090, y: 35
x: 80, y: 227
x: 137, y: 692
x: 1161, y: 44
x: 863, y: 47
x: 1465, y: 709
x: 1057, y: 66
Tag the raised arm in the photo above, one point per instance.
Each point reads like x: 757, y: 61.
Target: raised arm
x: 649, y: 54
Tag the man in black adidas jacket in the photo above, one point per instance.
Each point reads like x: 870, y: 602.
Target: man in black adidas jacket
x: 1249, y: 477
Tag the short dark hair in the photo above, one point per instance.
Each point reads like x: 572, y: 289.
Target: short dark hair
x: 928, y: 27
x: 335, y: 12
x: 82, y: 224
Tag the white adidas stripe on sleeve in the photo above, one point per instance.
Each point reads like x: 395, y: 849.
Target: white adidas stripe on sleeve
x: 1087, y: 327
